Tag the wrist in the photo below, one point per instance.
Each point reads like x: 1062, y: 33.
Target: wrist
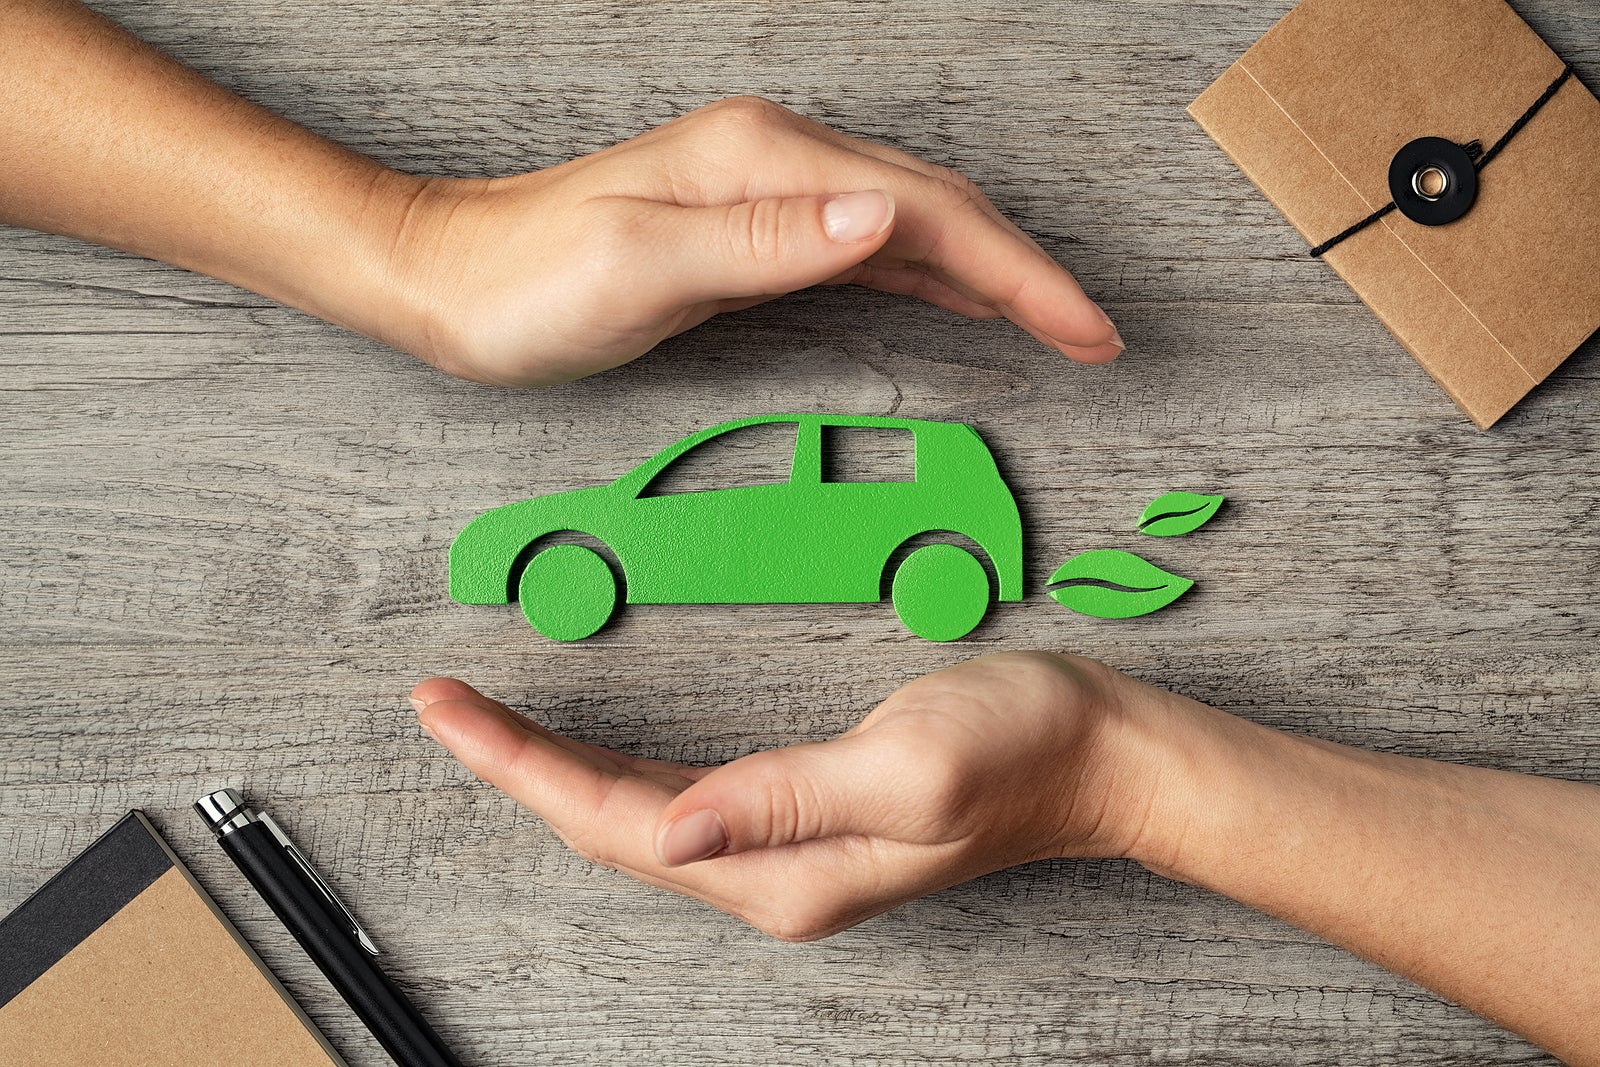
x: 365, y: 247
x: 318, y: 230
x: 1120, y: 781
x: 1173, y: 778
x: 370, y: 273
x: 1226, y: 798
x: 300, y: 220
x: 442, y: 241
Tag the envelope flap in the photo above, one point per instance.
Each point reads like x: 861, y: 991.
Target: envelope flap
x: 1363, y: 77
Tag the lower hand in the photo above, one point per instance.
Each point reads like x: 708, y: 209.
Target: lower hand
x: 549, y: 276
x: 994, y: 762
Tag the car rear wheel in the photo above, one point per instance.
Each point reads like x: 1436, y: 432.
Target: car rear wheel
x: 567, y: 592
x: 940, y: 592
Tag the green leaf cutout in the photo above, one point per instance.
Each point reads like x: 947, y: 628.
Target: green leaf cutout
x: 1111, y: 584
x: 1173, y: 514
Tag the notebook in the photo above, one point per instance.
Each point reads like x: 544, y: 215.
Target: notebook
x: 1318, y: 113
x: 123, y: 960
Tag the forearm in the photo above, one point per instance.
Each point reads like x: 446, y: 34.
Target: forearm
x: 108, y: 140
x: 1479, y: 884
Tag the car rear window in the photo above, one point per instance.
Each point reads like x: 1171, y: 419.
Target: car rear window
x: 868, y: 454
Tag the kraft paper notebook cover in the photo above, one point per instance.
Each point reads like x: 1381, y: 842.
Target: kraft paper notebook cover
x: 122, y: 960
x: 1316, y: 109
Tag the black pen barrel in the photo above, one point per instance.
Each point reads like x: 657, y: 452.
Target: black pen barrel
x: 328, y: 940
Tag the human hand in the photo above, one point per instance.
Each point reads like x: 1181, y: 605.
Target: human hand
x: 553, y: 275
x: 1473, y: 882
x: 525, y: 280
x: 990, y: 763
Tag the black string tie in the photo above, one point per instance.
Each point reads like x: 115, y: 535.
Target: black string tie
x: 1475, y: 153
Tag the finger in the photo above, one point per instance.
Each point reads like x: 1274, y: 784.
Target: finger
x: 849, y: 786
x: 1094, y: 354
x: 915, y: 281
x: 900, y: 158
x: 947, y: 226
x: 948, y: 231
x: 607, y: 818
x: 560, y: 785
x: 801, y: 892
x: 757, y: 248
x: 605, y: 815
x: 808, y: 890
x: 904, y: 281
x: 601, y: 814
x: 434, y: 690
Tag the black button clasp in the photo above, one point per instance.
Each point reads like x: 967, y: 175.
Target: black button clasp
x: 1433, y: 180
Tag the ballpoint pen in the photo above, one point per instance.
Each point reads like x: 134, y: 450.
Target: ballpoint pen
x: 325, y: 928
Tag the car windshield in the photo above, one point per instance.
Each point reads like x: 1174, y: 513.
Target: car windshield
x: 758, y: 454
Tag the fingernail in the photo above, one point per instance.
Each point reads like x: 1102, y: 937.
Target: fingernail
x: 417, y: 704
x: 695, y: 836
x: 1116, y: 336
x: 1093, y: 353
x: 853, y: 217
x: 428, y: 730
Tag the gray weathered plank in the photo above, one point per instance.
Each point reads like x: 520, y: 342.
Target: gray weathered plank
x: 225, y: 528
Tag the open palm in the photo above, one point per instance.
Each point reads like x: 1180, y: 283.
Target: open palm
x: 994, y: 762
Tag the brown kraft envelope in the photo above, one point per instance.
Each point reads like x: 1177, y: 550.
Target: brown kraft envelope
x: 1313, y: 113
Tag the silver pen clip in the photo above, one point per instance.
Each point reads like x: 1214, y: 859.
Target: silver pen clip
x: 316, y: 880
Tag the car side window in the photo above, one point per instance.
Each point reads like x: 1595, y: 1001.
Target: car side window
x: 762, y: 454
x: 868, y: 454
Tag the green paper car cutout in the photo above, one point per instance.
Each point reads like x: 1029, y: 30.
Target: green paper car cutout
x: 809, y: 540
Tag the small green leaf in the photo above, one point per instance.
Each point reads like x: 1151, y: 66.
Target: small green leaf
x: 1111, y: 584
x: 1172, y: 514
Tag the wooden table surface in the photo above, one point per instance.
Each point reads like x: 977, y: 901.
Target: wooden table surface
x: 225, y: 528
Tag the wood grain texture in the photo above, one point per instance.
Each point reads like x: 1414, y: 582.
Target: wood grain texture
x: 225, y: 528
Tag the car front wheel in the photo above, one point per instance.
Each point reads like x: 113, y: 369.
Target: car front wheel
x: 567, y: 592
x: 940, y: 592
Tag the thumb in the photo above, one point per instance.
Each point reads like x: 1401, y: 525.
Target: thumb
x: 782, y: 797
x: 771, y: 246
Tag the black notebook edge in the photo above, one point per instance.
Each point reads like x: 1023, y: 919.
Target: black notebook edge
x: 76, y: 901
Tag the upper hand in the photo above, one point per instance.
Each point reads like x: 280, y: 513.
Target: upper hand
x: 984, y: 765
x: 549, y: 276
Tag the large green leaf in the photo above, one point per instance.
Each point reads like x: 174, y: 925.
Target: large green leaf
x: 1111, y: 584
x: 1172, y: 514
